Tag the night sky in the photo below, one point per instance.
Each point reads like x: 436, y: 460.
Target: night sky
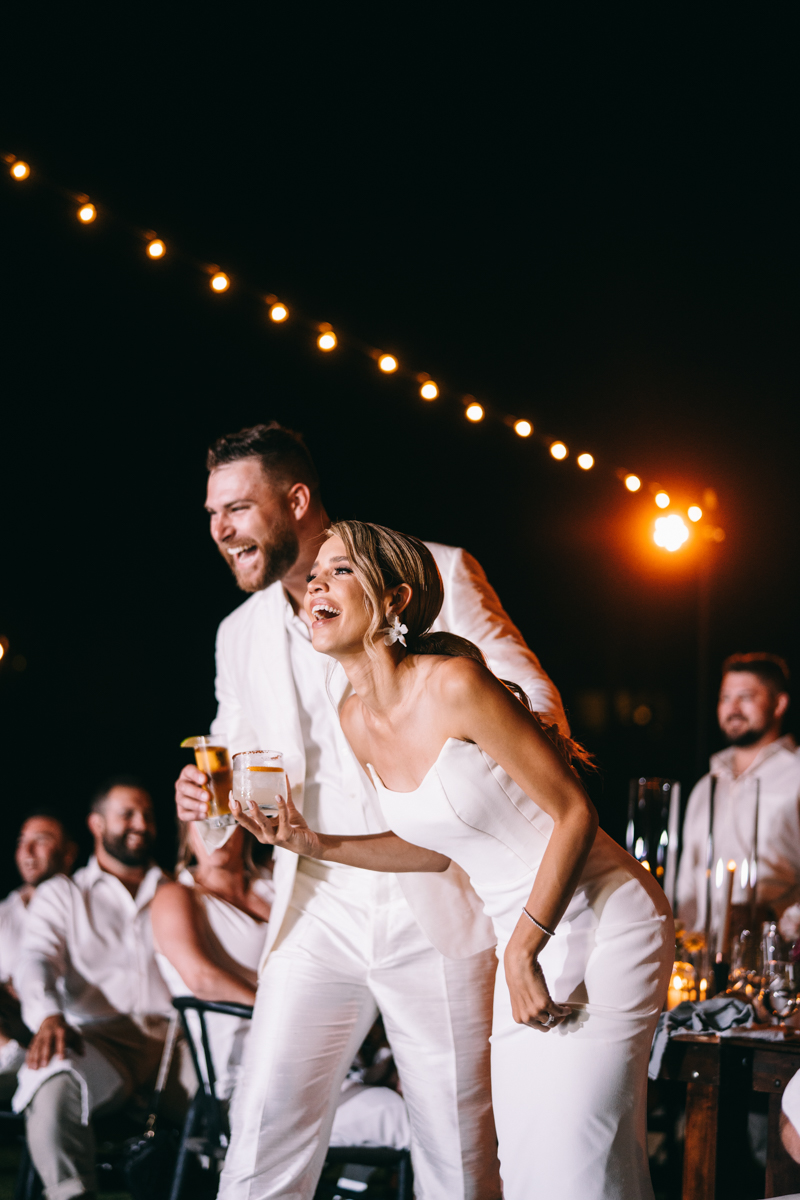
x: 591, y: 224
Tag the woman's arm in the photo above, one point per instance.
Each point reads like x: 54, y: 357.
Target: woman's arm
x: 179, y: 934
x: 375, y: 852
x: 478, y: 708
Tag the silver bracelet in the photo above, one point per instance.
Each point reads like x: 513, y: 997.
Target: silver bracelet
x: 549, y: 932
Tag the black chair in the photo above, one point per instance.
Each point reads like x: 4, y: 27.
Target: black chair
x: 206, y: 1131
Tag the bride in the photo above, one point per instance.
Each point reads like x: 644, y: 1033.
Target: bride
x: 465, y: 772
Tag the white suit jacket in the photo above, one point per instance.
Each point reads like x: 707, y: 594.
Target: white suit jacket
x: 257, y: 708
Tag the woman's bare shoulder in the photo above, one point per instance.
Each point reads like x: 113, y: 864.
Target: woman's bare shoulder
x: 173, y: 898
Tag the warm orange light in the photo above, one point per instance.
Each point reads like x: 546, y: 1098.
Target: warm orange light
x: 2, y: 649
x: 559, y: 450
x: 662, y: 499
x: 585, y: 462
x: 694, y: 513
x: 20, y: 170
x: 670, y: 532
x: 327, y: 340
x: 633, y: 483
x: 429, y: 390
x: 387, y: 363
x: 278, y: 312
x: 220, y: 282
x: 523, y: 428
x: 474, y: 413
x: 87, y: 213
x: 156, y: 248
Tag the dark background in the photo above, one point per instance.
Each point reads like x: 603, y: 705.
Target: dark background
x: 590, y: 223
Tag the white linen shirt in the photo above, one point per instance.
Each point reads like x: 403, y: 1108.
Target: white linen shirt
x: 336, y: 799
x: 88, y: 950
x: 13, y: 918
x: 777, y: 767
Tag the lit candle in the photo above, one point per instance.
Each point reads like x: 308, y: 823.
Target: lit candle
x: 725, y: 927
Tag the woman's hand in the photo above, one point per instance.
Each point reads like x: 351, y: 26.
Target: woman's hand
x: 531, y: 1003
x: 289, y: 830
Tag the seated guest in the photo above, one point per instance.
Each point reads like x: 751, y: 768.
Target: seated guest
x: 753, y: 700
x: 43, y: 849
x: 209, y: 930
x: 90, y: 989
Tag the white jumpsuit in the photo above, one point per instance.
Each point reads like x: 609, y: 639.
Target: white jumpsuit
x: 570, y: 1105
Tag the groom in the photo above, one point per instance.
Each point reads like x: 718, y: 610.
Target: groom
x: 343, y: 943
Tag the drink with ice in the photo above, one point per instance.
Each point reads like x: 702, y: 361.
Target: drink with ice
x: 258, y: 775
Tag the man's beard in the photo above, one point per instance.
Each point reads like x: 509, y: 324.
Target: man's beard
x: 748, y: 737
x: 278, y: 557
x: 118, y: 848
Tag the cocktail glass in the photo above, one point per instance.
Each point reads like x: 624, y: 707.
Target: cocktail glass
x: 212, y: 757
x: 259, y: 775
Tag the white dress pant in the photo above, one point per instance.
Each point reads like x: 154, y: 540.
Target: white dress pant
x: 350, y: 946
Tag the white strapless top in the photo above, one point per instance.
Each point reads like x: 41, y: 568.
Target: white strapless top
x: 469, y: 809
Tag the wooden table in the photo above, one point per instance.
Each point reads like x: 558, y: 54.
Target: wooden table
x: 720, y: 1074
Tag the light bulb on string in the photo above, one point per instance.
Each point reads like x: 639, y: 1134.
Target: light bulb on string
x: 474, y: 412
x: 20, y: 170
x: 220, y: 282
x: 156, y: 248
x: 559, y: 450
x: 387, y: 363
x: 327, y: 339
x: 429, y: 390
x: 662, y: 499
x: 633, y: 483
x: 694, y: 512
x: 670, y: 532
x: 278, y: 312
x: 585, y: 462
x: 523, y: 428
x: 87, y: 213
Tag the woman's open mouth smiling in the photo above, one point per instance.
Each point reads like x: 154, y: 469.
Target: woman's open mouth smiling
x: 324, y: 612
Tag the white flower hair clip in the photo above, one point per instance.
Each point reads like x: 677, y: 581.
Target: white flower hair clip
x: 395, y: 631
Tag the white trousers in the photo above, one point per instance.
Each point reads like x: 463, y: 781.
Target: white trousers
x: 349, y: 947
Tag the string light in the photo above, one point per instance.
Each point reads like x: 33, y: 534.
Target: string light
x: 327, y: 341
x: 670, y: 532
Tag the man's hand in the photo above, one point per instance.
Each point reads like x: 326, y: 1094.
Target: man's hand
x: 53, y: 1038
x: 191, y: 798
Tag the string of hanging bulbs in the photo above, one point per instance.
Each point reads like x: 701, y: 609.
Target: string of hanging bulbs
x: 328, y: 340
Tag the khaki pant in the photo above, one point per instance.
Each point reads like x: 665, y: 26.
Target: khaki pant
x: 61, y: 1147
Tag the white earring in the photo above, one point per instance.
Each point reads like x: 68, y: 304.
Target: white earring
x: 395, y: 631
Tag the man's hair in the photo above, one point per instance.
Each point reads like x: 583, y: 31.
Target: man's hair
x: 770, y: 668
x: 283, y: 454
x: 48, y: 814
x: 99, y: 798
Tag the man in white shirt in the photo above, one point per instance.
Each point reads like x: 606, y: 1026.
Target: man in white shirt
x: 757, y: 784
x: 90, y: 989
x: 44, y: 849
x: 343, y: 943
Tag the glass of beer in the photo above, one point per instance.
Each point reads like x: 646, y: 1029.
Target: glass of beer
x: 258, y: 775
x: 212, y: 757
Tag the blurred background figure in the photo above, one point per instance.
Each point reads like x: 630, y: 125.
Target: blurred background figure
x: 91, y: 991
x: 209, y: 930
x: 44, y: 849
x: 757, y: 785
